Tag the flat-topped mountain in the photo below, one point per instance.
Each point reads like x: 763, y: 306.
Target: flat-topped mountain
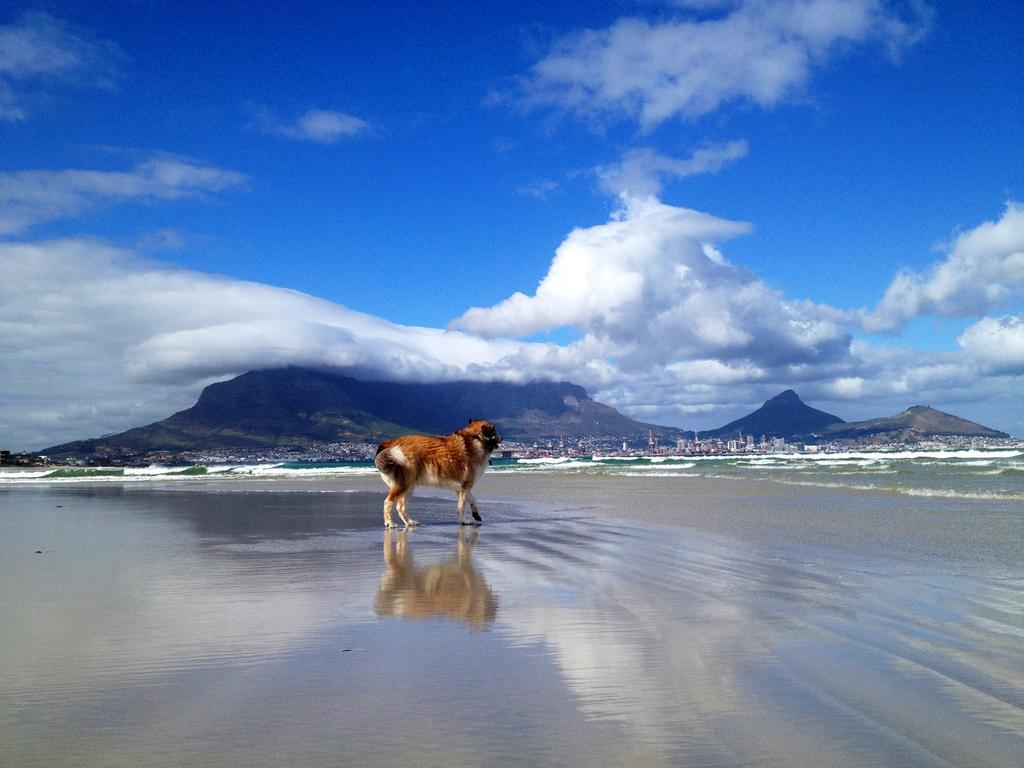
x: 785, y: 415
x: 301, y: 406
x: 915, y: 423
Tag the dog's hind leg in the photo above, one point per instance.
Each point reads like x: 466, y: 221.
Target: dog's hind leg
x: 389, y: 503
x: 403, y: 502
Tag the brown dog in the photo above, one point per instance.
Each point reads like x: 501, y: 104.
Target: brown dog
x: 454, y: 462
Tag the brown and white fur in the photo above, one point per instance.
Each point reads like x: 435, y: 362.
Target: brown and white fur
x: 454, y: 462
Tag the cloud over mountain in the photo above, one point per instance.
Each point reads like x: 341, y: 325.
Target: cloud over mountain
x: 94, y: 338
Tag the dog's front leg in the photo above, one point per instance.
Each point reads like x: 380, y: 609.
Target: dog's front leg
x: 473, y: 507
x: 463, y: 493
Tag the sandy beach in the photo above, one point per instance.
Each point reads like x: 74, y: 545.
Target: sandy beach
x: 589, y: 621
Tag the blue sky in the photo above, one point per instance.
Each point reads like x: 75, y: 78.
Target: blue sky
x: 698, y: 203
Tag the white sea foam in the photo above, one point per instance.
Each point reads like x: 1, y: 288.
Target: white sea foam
x: 658, y: 473
x: 546, y: 460
x: 152, y: 469
x: 942, y: 493
x: 650, y: 469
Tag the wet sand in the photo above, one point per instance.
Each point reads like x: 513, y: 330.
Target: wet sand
x: 588, y: 622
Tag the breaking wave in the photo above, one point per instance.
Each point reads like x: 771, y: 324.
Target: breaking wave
x: 966, y: 474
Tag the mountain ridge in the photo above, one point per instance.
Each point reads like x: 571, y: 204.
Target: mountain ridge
x: 303, y: 406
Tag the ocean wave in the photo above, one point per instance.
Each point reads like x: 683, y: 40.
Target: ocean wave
x: 19, y: 474
x: 1010, y: 470
x: 646, y: 469
x: 843, y: 467
x: 197, y: 472
x: 657, y: 473
x: 943, y: 493
x: 569, y: 465
x: 74, y: 473
x: 951, y: 494
x: 546, y: 460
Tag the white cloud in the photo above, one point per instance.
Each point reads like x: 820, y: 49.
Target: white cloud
x: 39, y: 51
x: 28, y: 198
x: 94, y: 339
x: 322, y: 126
x: 983, y: 270
x: 648, y: 288
x: 996, y: 344
x: 673, y: 333
x: 763, y: 52
x: 641, y: 170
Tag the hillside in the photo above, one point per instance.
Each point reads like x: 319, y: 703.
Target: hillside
x: 785, y: 415
x: 915, y: 423
x: 300, y: 406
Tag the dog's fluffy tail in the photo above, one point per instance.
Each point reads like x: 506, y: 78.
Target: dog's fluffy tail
x: 389, y: 465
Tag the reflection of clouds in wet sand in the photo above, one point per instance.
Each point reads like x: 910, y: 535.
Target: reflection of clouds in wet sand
x: 201, y: 618
x: 102, y: 611
x: 709, y: 651
x: 452, y: 589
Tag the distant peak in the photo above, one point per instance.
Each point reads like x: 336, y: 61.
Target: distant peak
x: 789, y: 396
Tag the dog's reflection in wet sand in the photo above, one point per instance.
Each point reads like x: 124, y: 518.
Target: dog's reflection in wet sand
x: 452, y: 589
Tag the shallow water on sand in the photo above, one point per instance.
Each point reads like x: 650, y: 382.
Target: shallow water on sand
x: 590, y: 621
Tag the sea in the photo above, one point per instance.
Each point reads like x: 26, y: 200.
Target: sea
x: 956, y: 474
x: 861, y: 609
